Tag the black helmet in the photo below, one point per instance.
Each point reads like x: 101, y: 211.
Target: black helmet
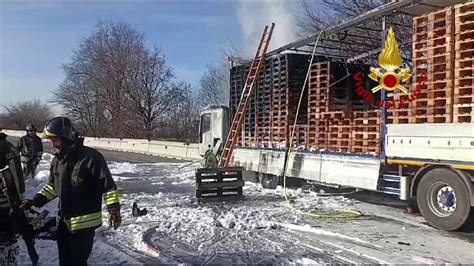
x: 30, y: 127
x: 60, y: 127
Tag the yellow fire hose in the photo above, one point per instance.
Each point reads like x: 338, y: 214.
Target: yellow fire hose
x: 343, y: 213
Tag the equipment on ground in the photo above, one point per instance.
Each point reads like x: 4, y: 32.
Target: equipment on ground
x: 27, y: 227
x: 136, y: 212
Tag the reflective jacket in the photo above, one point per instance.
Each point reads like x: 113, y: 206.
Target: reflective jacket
x: 80, y: 179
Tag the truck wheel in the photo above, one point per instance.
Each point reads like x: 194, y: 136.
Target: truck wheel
x: 443, y: 199
x: 269, y: 181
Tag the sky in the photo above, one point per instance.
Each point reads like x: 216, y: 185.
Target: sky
x: 37, y: 38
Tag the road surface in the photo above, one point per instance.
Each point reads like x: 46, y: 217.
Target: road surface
x: 259, y: 229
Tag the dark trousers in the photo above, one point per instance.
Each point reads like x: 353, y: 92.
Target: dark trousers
x: 6, y: 223
x: 74, y: 248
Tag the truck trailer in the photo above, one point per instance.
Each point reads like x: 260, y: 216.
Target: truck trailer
x: 415, y: 140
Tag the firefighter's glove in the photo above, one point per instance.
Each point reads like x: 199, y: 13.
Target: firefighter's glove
x: 26, y: 204
x: 115, y: 219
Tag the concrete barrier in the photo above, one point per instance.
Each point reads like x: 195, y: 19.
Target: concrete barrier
x: 171, y: 149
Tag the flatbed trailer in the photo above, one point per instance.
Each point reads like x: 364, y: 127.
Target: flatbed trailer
x: 431, y: 164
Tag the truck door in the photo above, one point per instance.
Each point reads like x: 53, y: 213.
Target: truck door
x: 205, y: 133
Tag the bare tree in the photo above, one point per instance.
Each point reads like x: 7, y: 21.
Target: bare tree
x: 214, y: 85
x: 99, y: 69
x: 115, y: 86
x: 80, y: 100
x: 19, y: 115
x: 311, y: 18
x: 151, y: 90
x: 183, y: 121
x: 315, y: 17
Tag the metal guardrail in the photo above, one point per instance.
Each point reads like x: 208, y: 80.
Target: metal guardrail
x: 171, y: 149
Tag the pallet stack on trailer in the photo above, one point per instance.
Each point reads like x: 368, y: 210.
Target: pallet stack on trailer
x: 443, y: 47
x: 319, y: 80
x: 250, y: 123
x: 332, y: 117
x: 238, y: 75
x: 279, y: 101
x: 325, y: 120
x: 366, y: 132
x: 335, y: 123
x: 464, y: 63
x: 272, y: 107
x: 264, y: 105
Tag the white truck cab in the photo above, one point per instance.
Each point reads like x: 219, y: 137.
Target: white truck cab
x: 213, y: 129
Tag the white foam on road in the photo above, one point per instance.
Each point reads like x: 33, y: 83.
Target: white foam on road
x: 122, y: 167
x: 262, y: 224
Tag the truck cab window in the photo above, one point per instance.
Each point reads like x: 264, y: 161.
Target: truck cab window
x: 205, y: 125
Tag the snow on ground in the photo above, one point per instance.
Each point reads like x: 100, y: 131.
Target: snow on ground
x: 260, y: 229
x: 188, y: 232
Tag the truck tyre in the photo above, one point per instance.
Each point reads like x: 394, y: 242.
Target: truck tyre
x: 269, y: 181
x: 210, y: 160
x: 443, y: 199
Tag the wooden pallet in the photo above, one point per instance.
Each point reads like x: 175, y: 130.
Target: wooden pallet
x: 463, y: 99
x: 219, y: 184
x: 434, y: 103
x: 420, y: 119
x: 463, y: 113
x: 363, y: 149
x: 365, y: 135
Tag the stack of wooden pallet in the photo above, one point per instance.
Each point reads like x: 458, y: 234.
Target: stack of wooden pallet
x: 338, y: 130
x: 299, y: 135
x: 263, y: 108
x: 273, y: 104
x: 464, y: 64
x: 279, y: 126
x: 320, y: 79
x: 366, y: 131
x: 333, y: 125
x: 443, y: 48
x: 238, y: 74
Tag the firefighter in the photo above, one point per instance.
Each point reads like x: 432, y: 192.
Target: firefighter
x: 31, y: 150
x: 9, y: 156
x: 79, y: 177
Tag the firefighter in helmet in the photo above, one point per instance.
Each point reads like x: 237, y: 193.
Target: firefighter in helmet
x: 31, y: 150
x: 80, y: 178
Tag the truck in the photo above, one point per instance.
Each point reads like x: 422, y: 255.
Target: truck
x: 421, y: 154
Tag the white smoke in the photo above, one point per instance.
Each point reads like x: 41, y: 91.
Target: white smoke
x: 253, y: 16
